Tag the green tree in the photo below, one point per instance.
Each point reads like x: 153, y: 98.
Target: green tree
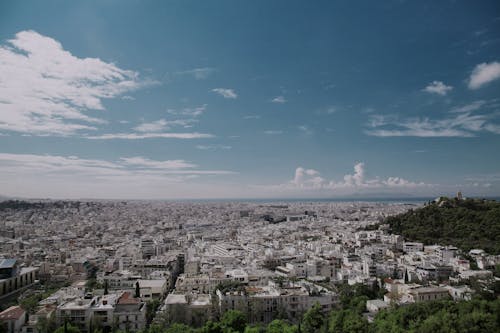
x: 68, y: 329
x: 151, y: 307
x: 253, y: 329
x: 179, y: 328
x: 211, y: 327
x: 234, y: 320
x: 313, y: 320
x: 29, y: 304
x: 280, y: 326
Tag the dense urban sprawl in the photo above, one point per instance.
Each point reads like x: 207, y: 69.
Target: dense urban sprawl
x: 113, y: 265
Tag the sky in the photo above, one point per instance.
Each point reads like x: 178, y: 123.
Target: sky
x: 249, y: 99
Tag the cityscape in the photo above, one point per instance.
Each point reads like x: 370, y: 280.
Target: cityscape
x: 234, y: 166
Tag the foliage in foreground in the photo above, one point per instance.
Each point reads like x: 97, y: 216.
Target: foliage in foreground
x: 438, y: 316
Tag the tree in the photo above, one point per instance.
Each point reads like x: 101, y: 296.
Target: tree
x: 29, y: 304
x: 137, y: 290
x: 151, y: 307
x: 67, y: 328
x: 211, y: 327
x: 179, y: 328
x: 253, y: 329
x: 234, y: 320
x: 313, y: 320
x: 280, y: 326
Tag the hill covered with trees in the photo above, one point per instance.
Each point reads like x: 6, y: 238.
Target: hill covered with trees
x: 466, y: 224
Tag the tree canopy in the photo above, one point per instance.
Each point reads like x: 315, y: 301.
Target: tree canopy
x: 466, y: 224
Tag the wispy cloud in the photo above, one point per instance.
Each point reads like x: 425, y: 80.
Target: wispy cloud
x: 163, y: 124
x: 279, y: 99
x: 139, y: 136
x: 484, y: 73
x: 199, y: 73
x: 213, y: 147
x: 139, y: 161
x: 190, y: 112
x: 476, y: 105
x: 252, y: 117
x: 73, y: 165
x: 331, y: 110
x: 305, y: 130
x: 438, y: 87
x: 48, y: 89
x: 136, y: 176
x: 226, y: 93
x: 460, y: 122
x: 273, y: 132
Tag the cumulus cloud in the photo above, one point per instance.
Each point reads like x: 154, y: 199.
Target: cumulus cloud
x: 45, y: 90
x: 226, y: 93
x: 438, y: 87
x: 311, y: 180
x: 306, y: 178
x: 484, y: 73
x: 279, y: 99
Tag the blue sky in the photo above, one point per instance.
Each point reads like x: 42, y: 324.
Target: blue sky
x: 249, y: 99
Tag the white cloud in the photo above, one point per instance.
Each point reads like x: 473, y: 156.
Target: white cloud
x: 199, y: 73
x: 483, y: 74
x: 358, y: 178
x: 148, y: 163
x: 306, y: 177
x: 461, y: 123
x: 252, y: 117
x: 438, y: 87
x: 305, y: 130
x: 163, y: 124
x: 273, y: 132
x: 310, y: 179
x: 71, y: 176
x: 279, y: 99
x: 331, y: 110
x: 155, y: 126
x: 310, y: 182
x: 138, y: 136
x: 191, y: 112
x: 226, y: 93
x: 45, y: 90
x: 213, y: 147
x: 476, y: 105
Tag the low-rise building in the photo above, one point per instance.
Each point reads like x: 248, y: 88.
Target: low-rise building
x: 12, y: 319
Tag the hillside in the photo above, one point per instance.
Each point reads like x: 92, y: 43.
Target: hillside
x: 467, y: 224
